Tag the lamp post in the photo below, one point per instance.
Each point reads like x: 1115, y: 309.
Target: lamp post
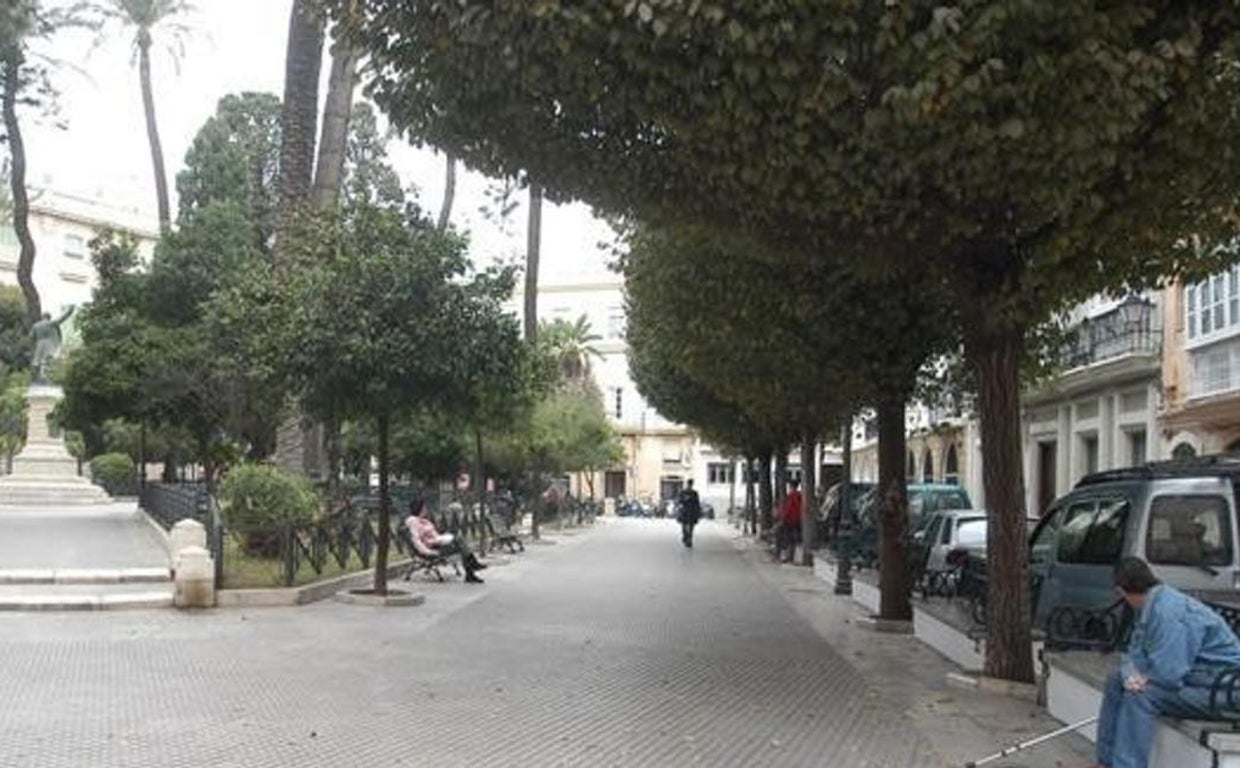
x: 843, y: 573
x: 1134, y: 314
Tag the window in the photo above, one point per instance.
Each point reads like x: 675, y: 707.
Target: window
x: 951, y: 469
x: 1136, y: 447
x: 1042, y: 546
x: 1189, y: 530
x: 75, y: 247
x: 1092, y: 532
x: 615, y: 323
x: 1089, y: 453
x: 719, y: 473
x: 617, y: 401
x: 1212, y: 307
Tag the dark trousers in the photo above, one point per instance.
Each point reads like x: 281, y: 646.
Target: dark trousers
x: 459, y: 547
x: 686, y: 533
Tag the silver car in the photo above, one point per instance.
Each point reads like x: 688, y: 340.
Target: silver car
x: 950, y: 529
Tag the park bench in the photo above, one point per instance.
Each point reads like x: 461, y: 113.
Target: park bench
x: 423, y: 560
x: 502, y: 534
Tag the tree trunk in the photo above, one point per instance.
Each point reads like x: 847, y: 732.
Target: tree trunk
x: 17, y: 185
x: 994, y: 352
x: 337, y: 109
x: 781, y: 476
x: 480, y: 483
x: 533, y: 249
x: 152, y: 130
x: 765, y: 495
x: 385, y: 511
x: 449, y: 193
x: 893, y: 511
x: 535, y: 503
x: 845, y: 495
x: 299, y: 115
x: 809, y: 487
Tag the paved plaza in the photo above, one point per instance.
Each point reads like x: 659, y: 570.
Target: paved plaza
x: 612, y: 647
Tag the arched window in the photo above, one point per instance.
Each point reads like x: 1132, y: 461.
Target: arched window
x: 951, y: 469
x: 927, y: 467
x: 1183, y: 451
x: 911, y: 473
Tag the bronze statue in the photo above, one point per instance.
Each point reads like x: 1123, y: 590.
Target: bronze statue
x: 46, y: 334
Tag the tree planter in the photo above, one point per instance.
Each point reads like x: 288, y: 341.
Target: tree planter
x: 393, y: 598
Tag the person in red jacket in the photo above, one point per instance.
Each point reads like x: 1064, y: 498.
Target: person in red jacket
x: 790, y: 521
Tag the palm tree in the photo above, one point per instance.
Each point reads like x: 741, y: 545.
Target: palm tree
x: 572, y: 345
x: 144, y: 17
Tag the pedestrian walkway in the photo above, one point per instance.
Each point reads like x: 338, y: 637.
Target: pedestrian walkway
x: 615, y: 647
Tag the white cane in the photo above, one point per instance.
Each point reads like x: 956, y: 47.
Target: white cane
x: 1031, y: 743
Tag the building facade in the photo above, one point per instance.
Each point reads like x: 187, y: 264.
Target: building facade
x: 62, y: 226
x: 659, y: 454
x: 1201, y: 367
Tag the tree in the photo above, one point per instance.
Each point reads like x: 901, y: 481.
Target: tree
x: 299, y: 119
x: 533, y: 252
x: 572, y: 344
x: 363, y: 319
x: 329, y: 170
x: 1031, y: 154
x: 235, y: 158
x: 25, y: 81
x: 145, y: 17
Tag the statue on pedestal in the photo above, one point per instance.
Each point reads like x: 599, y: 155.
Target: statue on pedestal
x: 47, y: 339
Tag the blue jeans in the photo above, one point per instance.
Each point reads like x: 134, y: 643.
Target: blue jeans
x: 1126, y: 722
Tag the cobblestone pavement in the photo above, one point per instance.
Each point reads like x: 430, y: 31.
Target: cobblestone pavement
x: 616, y: 647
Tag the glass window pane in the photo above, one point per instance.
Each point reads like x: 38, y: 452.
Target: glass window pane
x: 1093, y: 538
x: 1044, y: 538
x: 1189, y: 530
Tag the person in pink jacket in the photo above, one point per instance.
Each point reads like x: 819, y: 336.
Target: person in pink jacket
x: 428, y: 540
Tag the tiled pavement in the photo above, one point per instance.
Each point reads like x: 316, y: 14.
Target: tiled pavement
x: 614, y: 648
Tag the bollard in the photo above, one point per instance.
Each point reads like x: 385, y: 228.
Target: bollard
x: 186, y: 533
x: 195, y: 578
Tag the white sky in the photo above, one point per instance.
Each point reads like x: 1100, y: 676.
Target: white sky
x: 233, y: 46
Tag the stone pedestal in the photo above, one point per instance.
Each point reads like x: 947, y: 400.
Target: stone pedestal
x: 44, y: 474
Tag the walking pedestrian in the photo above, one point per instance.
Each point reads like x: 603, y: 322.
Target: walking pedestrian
x: 688, y: 512
x: 1178, y: 645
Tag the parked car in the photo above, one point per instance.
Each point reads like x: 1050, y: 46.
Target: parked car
x: 923, y: 499
x: 1180, y: 516
x: 829, y: 510
x: 708, y: 511
x: 947, y: 530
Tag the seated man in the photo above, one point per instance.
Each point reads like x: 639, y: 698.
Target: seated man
x: 1178, y: 645
x: 426, y: 536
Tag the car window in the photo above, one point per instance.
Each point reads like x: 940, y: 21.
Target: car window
x: 945, y: 535
x: 1189, y: 530
x: 951, y: 500
x: 1042, y: 547
x: 971, y: 532
x: 1092, y: 532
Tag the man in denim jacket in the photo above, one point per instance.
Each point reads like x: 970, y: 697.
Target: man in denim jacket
x: 1178, y: 645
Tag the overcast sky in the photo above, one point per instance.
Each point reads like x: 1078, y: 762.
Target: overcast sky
x: 239, y: 45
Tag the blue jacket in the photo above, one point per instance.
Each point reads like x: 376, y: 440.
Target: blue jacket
x: 1178, y: 640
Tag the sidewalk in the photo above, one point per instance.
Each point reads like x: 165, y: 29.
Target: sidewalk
x: 962, y: 724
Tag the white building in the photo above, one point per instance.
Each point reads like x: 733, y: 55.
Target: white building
x: 62, y: 225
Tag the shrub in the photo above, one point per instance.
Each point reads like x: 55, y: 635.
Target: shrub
x: 258, y: 498
x: 116, y: 473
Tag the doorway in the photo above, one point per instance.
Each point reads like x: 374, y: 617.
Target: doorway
x: 1047, y: 461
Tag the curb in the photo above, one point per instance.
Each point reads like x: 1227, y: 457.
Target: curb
x: 41, y: 603
x: 14, y: 576
x: 285, y: 596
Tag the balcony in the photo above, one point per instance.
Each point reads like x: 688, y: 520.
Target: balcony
x: 1130, y: 329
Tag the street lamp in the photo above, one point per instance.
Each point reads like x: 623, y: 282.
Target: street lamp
x: 1134, y: 314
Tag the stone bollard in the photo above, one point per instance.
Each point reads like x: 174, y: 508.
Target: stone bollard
x: 195, y: 578
x: 186, y: 533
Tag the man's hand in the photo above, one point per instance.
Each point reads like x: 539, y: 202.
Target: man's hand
x: 1135, y: 682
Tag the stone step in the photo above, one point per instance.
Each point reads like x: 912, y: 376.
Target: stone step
x: 29, y: 576
x: 84, y: 597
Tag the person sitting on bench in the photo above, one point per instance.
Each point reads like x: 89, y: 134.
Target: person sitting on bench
x: 426, y: 536
x: 1177, y: 647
